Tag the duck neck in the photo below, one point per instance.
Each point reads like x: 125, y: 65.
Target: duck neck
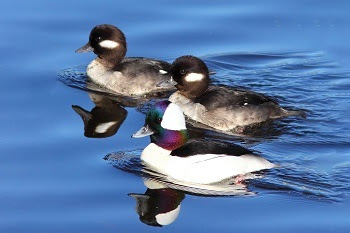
x: 111, y: 60
x: 170, y: 139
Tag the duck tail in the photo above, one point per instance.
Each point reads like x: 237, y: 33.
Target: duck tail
x: 299, y: 113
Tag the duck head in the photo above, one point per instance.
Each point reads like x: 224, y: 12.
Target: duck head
x: 108, y: 43
x: 165, y: 124
x: 190, y: 75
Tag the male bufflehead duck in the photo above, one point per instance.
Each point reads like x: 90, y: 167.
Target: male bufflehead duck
x: 172, y: 153
x: 126, y: 76
x: 159, y: 205
x: 222, y: 108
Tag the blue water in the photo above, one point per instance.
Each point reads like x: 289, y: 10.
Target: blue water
x: 54, y: 179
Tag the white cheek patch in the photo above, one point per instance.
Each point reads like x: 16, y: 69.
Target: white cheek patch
x: 173, y: 118
x: 169, y: 217
x: 102, y: 128
x: 109, y: 44
x: 162, y: 72
x: 194, y: 77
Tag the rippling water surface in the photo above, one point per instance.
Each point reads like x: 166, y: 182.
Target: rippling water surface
x: 58, y: 175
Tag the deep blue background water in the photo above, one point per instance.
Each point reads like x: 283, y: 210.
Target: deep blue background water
x: 53, y: 179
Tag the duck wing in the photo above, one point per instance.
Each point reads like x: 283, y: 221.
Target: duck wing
x: 218, y: 97
x: 203, y: 147
x: 133, y: 66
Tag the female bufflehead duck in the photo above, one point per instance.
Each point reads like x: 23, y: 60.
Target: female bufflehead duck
x: 196, y: 160
x: 125, y: 76
x: 104, y: 120
x: 222, y: 108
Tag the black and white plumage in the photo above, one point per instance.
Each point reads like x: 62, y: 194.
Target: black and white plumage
x: 126, y: 76
x: 104, y: 120
x: 196, y: 160
x: 159, y: 205
x: 220, y: 107
x: 203, y: 147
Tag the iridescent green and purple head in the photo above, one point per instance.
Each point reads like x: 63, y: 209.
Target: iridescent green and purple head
x: 165, y: 123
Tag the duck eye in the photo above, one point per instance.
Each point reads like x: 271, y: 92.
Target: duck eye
x: 182, y: 72
x: 159, y: 120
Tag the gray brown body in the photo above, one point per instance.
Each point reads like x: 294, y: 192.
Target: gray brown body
x: 125, y: 76
x: 229, y: 117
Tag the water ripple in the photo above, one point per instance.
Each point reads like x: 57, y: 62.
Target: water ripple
x: 298, y: 80
x: 288, y: 179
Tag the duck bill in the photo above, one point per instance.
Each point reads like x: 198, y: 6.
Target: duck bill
x: 85, y: 48
x: 143, y: 132
x: 138, y: 196
x: 167, y: 83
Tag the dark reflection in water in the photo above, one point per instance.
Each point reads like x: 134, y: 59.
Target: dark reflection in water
x: 159, y: 205
x: 104, y: 119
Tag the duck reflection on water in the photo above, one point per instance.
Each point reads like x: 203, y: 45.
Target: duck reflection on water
x: 104, y: 120
x: 160, y: 205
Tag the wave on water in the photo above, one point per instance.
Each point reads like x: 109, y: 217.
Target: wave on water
x: 298, y: 80
x: 287, y: 179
